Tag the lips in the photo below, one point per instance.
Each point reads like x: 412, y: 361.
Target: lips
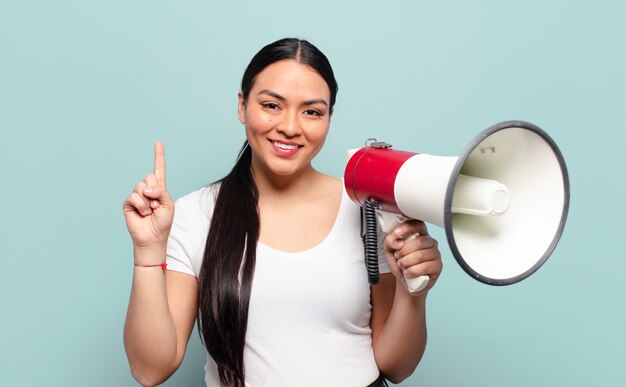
x: 285, y: 148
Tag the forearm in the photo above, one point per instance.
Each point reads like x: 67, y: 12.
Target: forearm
x: 402, y: 341
x: 149, y: 332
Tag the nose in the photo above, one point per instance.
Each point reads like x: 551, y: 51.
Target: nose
x: 290, y: 124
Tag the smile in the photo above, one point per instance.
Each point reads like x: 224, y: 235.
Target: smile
x: 285, y: 150
x: 282, y: 146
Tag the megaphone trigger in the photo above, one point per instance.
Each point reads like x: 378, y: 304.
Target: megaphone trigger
x: 388, y: 222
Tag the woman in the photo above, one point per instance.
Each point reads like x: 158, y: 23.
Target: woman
x: 269, y: 259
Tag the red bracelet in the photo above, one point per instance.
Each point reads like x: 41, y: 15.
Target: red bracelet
x: 161, y: 265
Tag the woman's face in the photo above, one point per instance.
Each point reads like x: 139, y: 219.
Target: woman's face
x: 287, y: 116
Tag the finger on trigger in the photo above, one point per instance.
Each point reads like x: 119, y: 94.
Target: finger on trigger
x: 393, y: 242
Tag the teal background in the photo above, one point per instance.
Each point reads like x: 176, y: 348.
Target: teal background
x: 86, y: 87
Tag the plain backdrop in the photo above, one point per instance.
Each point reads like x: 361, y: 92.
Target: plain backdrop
x: 86, y: 87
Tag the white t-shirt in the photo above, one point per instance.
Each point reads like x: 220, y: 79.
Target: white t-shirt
x: 308, y: 321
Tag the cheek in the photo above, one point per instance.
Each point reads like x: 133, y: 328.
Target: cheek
x: 256, y: 124
x: 320, y: 133
x: 261, y: 120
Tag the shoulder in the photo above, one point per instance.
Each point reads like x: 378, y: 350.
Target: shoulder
x: 189, y: 229
x: 199, y: 202
x: 328, y: 187
x: 194, y: 210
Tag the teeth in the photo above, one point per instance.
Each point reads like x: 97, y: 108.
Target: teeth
x: 284, y: 146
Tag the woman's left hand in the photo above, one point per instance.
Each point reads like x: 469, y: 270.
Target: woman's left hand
x: 413, y: 257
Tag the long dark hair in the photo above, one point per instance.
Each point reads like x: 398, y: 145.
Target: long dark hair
x: 225, y: 279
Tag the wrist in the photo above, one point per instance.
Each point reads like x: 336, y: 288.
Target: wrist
x: 162, y: 266
x: 150, y: 255
x: 403, y: 293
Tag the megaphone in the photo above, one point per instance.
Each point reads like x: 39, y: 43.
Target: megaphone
x: 503, y: 202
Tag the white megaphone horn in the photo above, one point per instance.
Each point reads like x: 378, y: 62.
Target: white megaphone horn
x: 503, y: 202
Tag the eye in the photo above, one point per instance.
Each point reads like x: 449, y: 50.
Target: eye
x: 270, y: 105
x: 312, y: 112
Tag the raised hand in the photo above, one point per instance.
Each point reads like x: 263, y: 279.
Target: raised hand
x: 149, y: 209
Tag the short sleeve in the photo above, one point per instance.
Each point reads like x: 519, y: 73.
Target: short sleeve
x: 178, y: 244
x: 187, y: 240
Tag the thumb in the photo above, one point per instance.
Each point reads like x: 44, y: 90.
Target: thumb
x: 158, y: 193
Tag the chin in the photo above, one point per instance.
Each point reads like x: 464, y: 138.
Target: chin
x: 282, y: 167
x: 286, y: 170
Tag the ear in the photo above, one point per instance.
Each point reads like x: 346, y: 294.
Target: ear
x: 241, y: 108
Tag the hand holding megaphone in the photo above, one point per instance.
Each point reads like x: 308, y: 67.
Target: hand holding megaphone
x: 388, y: 222
x: 510, y: 179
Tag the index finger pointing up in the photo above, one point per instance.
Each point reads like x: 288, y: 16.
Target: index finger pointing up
x: 159, y: 162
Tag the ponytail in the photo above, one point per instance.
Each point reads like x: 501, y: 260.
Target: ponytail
x: 225, y: 279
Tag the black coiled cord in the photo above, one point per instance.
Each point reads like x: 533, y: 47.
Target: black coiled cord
x: 370, y: 240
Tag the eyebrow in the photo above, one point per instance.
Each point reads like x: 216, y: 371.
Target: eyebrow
x: 279, y: 97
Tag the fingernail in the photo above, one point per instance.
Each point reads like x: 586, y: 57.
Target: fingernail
x: 148, y: 190
x: 398, y: 231
x: 154, y: 203
x: 396, y: 254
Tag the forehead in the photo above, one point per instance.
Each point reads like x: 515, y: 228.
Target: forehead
x: 288, y: 77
